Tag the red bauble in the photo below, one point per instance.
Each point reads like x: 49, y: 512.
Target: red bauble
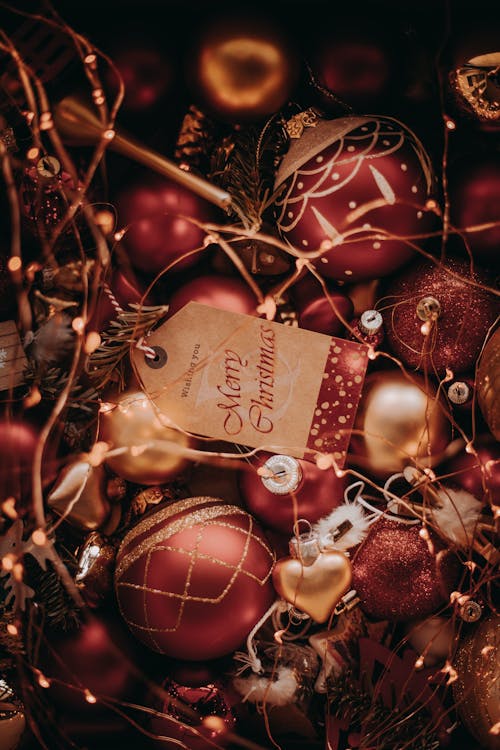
x: 224, y: 292
x: 316, y: 312
x: 317, y: 493
x: 18, y: 442
x: 99, y: 656
x: 207, y: 700
x: 345, y: 184
x: 121, y: 291
x: 466, y: 313
x: 355, y: 68
x: 159, y: 234
x: 397, y: 577
x: 145, y: 72
x: 470, y: 471
x: 194, y: 578
x: 474, y: 186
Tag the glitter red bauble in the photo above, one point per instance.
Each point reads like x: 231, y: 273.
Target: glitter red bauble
x: 159, y: 234
x: 318, y: 493
x: 194, y: 578
x: 224, y: 292
x: 316, y: 311
x: 478, y: 474
x: 466, y: 314
x: 474, y: 186
x: 397, y: 577
x: 207, y: 700
x: 347, y: 183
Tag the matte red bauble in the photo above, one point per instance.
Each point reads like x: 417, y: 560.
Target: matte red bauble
x: 159, y: 234
x: 355, y: 68
x: 99, y: 657
x: 474, y: 186
x: 345, y: 185
x: 397, y: 577
x: 316, y: 311
x: 243, y: 69
x: 207, y: 700
x: 194, y: 578
x: 145, y: 72
x: 296, y: 489
x: 458, y: 316
x: 224, y: 292
x: 118, y: 290
x: 18, y: 442
x: 479, y: 475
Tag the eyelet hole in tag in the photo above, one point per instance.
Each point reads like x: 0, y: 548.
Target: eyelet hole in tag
x: 159, y: 360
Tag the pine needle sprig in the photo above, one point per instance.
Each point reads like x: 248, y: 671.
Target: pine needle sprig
x: 109, y: 358
x: 403, y: 728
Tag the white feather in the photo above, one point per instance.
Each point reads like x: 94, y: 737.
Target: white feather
x: 458, y: 515
x: 352, y: 512
x: 279, y: 692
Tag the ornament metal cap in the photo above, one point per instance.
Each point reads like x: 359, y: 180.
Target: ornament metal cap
x: 286, y: 475
x: 459, y: 392
x: 370, y: 322
x: 305, y: 547
x: 428, y: 308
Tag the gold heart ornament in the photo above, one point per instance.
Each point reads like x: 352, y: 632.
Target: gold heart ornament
x: 314, y: 589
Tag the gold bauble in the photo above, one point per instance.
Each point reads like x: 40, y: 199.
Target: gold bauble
x: 12, y: 726
x: 477, y: 688
x: 153, y: 452
x: 243, y: 70
x: 401, y: 422
x: 79, y: 495
x: 315, y: 588
x: 488, y: 383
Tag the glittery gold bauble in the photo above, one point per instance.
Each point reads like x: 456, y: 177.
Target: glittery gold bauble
x: 477, y: 687
x: 488, y: 383
x: 152, y: 452
x: 400, y: 422
x: 79, y: 495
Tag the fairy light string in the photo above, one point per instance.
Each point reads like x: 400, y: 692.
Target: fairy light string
x: 40, y: 118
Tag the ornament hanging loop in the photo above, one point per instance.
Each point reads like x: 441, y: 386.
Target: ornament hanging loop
x: 304, y: 547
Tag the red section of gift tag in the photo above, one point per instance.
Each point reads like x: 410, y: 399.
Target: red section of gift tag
x: 12, y: 358
x: 254, y: 382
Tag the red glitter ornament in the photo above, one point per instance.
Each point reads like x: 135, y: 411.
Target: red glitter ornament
x: 224, y: 292
x: 44, y: 194
x: 397, y: 576
x: 312, y: 493
x: 346, y: 187
x: 159, y: 234
x: 456, y: 326
x: 194, y: 578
